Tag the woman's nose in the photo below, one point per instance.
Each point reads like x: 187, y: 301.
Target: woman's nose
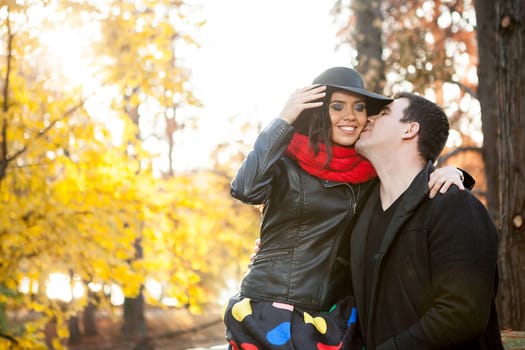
x: 349, y: 115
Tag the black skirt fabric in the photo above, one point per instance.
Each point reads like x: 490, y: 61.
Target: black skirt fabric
x: 259, y: 325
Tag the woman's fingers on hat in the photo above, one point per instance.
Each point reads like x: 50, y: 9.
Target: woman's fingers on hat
x: 312, y: 94
x: 313, y: 104
x: 301, y: 96
x: 316, y: 87
x: 301, y: 99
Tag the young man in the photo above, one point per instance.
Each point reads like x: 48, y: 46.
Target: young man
x: 424, y: 270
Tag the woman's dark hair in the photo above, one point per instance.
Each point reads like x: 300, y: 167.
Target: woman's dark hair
x: 316, y: 124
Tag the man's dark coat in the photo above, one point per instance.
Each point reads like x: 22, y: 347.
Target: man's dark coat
x: 434, y: 279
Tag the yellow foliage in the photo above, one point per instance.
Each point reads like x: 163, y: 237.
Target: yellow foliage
x: 75, y: 201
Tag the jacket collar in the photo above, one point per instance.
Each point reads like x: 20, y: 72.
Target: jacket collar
x: 412, y: 198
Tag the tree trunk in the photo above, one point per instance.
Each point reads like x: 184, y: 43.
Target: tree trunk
x: 74, y: 330
x: 501, y: 41
x: 134, y: 320
x: 369, y: 43
x: 4, y: 161
x: 510, y: 46
x: 90, y: 324
x: 487, y: 76
x: 171, y: 127
x: 134, y: 323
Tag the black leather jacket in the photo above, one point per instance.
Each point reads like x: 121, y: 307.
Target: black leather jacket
x: 305, y: 219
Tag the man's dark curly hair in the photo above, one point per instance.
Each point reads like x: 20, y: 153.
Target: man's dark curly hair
x: 433, y: 124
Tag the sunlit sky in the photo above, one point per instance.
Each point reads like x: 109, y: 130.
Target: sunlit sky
x: 254, y: 54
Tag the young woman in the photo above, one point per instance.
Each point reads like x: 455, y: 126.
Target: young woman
x: 306, y: 173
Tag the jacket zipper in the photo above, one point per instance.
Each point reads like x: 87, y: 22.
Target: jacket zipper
x: 338, y: 239
x: 353, y: 198
x: 356, y: 198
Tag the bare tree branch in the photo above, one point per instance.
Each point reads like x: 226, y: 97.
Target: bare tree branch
x: 44, y: 131
x: 465, y: 88
x: 455, y: 152
x: 3, y: 145
x: 8, y: 337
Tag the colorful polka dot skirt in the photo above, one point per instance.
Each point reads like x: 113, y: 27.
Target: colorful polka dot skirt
x: 265, y: 325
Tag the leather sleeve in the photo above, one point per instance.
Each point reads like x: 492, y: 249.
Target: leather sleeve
x: 252, y: 183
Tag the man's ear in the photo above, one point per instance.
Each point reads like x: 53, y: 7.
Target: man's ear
x: 411, y: 130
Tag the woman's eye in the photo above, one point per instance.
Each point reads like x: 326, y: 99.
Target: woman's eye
x: 360, y: 107
x: 337, y: 106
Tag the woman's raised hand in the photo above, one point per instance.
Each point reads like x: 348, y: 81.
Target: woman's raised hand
x: 304, y: 98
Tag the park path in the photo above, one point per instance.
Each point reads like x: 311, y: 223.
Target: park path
x: 213, y: 347
x: 169, y: 329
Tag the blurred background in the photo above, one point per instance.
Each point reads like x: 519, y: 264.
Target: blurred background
x: 122, y: 123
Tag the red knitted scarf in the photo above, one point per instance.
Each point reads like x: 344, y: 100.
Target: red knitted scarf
x: 346, y: 164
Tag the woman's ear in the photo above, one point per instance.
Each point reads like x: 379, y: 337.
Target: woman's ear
x: 411, y: 130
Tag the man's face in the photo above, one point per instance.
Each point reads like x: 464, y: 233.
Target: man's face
x: 384, y: 130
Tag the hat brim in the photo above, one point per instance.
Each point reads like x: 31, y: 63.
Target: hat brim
x: 374, y: 102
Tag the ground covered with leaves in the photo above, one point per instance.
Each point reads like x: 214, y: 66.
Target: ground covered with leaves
x: 178, y: 329
x: 168, y: 329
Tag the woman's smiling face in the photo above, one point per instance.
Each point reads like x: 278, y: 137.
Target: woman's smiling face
x: 348, y: 117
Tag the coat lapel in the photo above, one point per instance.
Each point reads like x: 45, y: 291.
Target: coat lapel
x: 412, y: 198
x: 358, y: 244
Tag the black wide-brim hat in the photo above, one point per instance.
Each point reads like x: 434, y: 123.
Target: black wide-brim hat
x: 347, y: 79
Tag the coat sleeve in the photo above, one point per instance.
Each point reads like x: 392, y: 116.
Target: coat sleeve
x: 463, y: 258
x: 252, y: 183
x: 468, y: 180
